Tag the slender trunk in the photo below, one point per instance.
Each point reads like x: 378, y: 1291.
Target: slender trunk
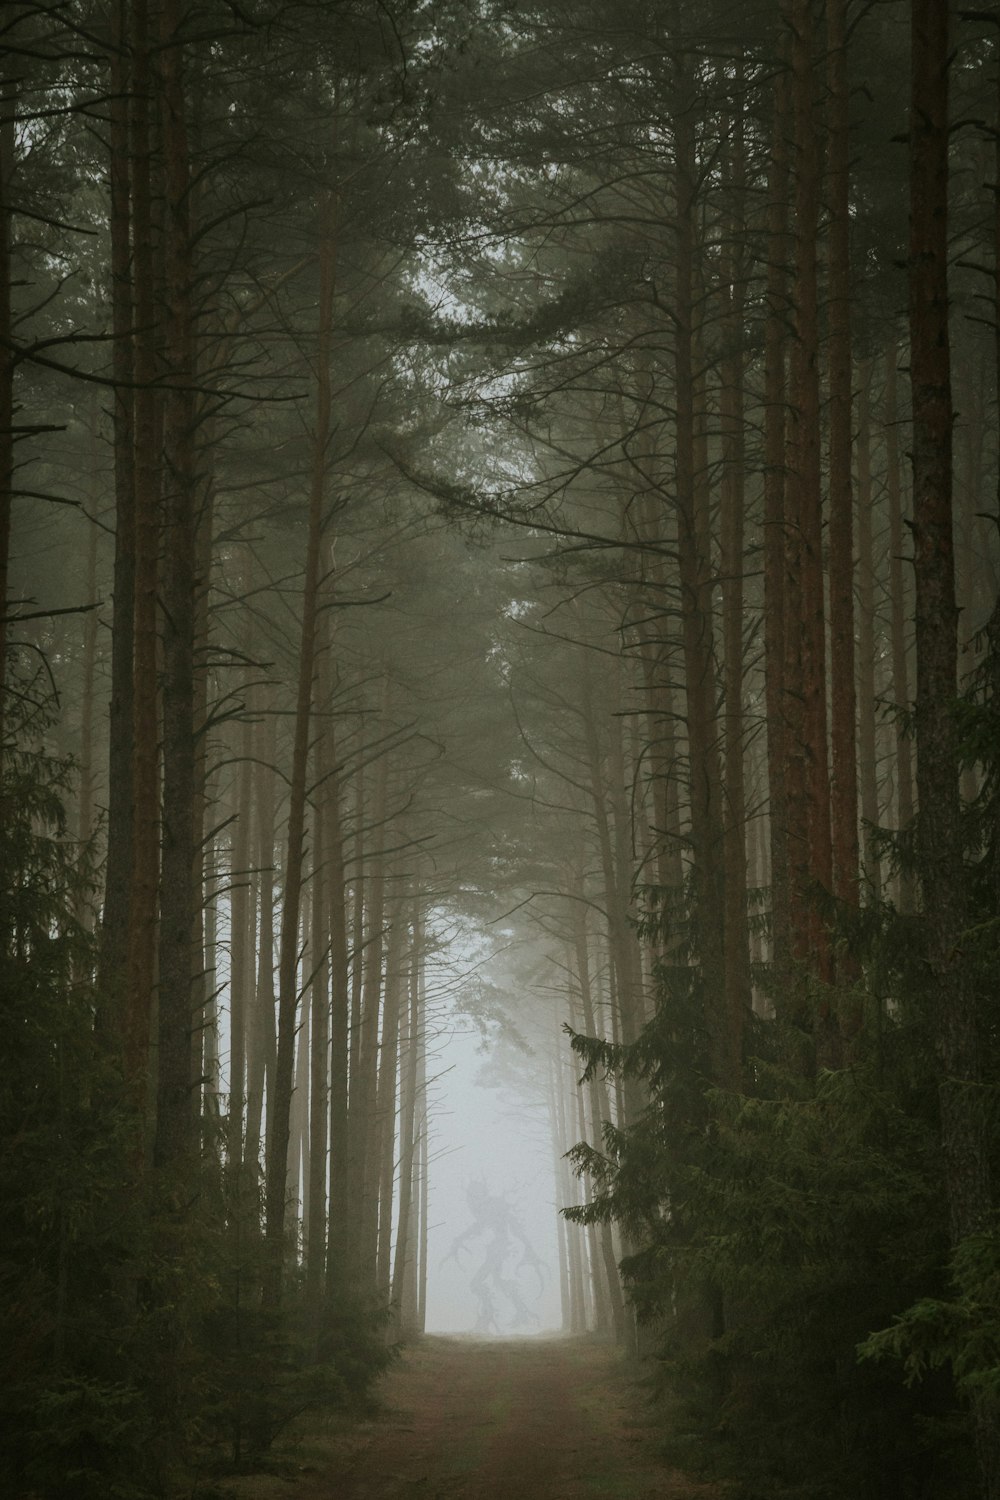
x: 260, y: 1040
x: 319, y: 1052
x: 940, y: 853
x: 404, y: 1250
x: 385, y: 1111
x: 775, y: 426
x: 898, y: 603
x: 8, y: 111
x: 116, y: 917
x: 569, y: 1193
x: 85, y: 804
x: 424, y: 1178
x: 287, y: 966
x: 733, y: 506
x: 144, y: 777
x: 867, y: 685
x: 339, y: 1205
x: 696, y: 610
x: 965, y: 1135
x: 364, y: 1097
x: 810, y: 836
x: 241, y: 944
x: 600, y: 1113
x: 843, y: 694
x: 178, y: 903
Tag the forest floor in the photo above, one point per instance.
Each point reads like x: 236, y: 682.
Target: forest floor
x: 497, y: 1419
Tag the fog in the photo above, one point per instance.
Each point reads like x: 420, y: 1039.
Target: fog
x: 492, y: 1210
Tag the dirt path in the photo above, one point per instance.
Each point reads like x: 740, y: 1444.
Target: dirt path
x: 516, y: 1419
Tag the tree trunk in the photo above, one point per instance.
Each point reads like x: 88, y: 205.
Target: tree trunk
x: 964, y: 1128
x: 174, y: 1114
x: 775, y: 542
x: 144, y: 778
x: 733, y: 507
x: 897, y: 592
x: 385, y: 1109
x: 403, y: 1258
x: 843, y: 694
x: 8, y: 110
x: 116, y: 919
x: 867, y: 685
x: 339, y: 1204
x: 288, y: 954
x: 696, y: 612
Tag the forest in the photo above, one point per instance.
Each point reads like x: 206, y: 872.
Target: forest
x: 499, y: 524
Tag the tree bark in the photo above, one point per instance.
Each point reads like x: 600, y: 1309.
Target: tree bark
x: 898, y: 603
x: 145, y: 760
x: 178, y: 901
x: 843, y: 694
x: 288, y: 954
x: 965, y: 1136
x: 775, y: 542
x: 115, y: 922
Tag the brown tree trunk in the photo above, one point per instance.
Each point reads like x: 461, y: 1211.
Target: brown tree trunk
x: 364, y: 1174
x: 733, y: 507
x: 178, y: 903
x: 403, y: 1258
x: 811, y: 852
x: 775, y: 542
x: 897, y: 593
x: 707, y: 840
x: 287, y: 966
x: 241, y: 945
x: 319, y: 1051
x: 965, y: 1136
x: 600, y: 1112
x: 339, y: 1205
x: 8, y: 110
x: 144, y: 776
x: 843, y: 695
x: 385, y: 1110
x: 260, y: 1034
x: 867, y: 684
x: 115, y: 922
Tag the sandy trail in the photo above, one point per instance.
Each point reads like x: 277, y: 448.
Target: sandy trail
x: 503, y: 1419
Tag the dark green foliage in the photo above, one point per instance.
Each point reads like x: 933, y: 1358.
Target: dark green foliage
x: 789, y: 1246
x: 132, y: 1341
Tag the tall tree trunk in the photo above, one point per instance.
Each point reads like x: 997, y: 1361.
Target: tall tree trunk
x: 805, y: 682
x: 843, y: 694
x: 385, y: 1110
x: 288, y: 947
x: 144, y: 776
x: 174, y: 1114
x: 115, y: 922
x: 8, y: 112
x: 732, y: 530
x: 319, y: 1050
x: 964, y: 1129
x: 600, y: 1112
x: 364, y: 1097
x: 339, y: 1204
x: 241, y: 945
x: 696, y: 609
x: 897, y: 593
x: 403, y: 1259
x: 260, y: 1038
x: 775, y: 543
x: 867, y: 684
